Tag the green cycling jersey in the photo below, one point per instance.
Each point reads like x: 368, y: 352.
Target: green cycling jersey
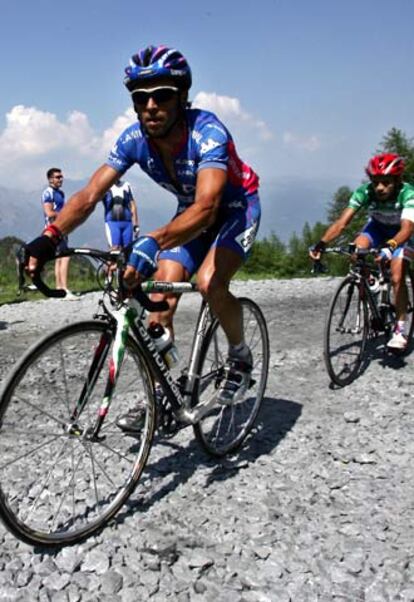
x: 388, y: 212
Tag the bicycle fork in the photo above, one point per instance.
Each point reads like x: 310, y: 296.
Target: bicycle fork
x: 115, y: 362
x: 357, y: 328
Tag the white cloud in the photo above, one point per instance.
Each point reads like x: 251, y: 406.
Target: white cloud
x: 33, y: 139
x: 310, y: 143
x: 111, y: 134
x: 229, y: 108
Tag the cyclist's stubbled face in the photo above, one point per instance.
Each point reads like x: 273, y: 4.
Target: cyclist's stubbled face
x: 158, y: 118
x: 384, y: 187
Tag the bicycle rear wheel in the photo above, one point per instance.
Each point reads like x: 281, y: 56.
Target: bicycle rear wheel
x: 59, y: 483
x: 224, y: 429
x: 346, y: 333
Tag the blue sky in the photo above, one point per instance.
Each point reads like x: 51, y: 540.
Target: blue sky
x: 308, y: 88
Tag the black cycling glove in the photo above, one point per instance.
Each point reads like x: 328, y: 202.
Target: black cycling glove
x: 43, y: 248
x: 319, y: 247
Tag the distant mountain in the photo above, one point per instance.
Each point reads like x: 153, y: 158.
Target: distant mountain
x: 21, y: 216
x: 287, y: 204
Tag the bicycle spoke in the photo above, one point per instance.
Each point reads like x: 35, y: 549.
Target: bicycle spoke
x: 61, y: 486
x: 40, y: 410
x: 100, y: 466
x: 88, y: 447
x: 46, y: 482
x: 71, y: 485
x: 115, y: 452
x: 64, y: 378
x: 15, y: 431
x: 225, y: 427
x: 28, y: 454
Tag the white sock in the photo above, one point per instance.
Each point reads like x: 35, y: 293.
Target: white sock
x: 400, y: 327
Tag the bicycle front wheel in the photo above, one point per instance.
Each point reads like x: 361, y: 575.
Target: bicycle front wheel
x: 346, y: 333
x: 59, y: 482
x: 224, y: 429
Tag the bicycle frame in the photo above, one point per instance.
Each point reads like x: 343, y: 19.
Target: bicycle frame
x: 372, y: 300
x: 130, y: 319
x: 356, y: 271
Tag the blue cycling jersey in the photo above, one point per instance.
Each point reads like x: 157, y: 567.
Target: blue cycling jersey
x: 207, y: 143
x: 56, y: 196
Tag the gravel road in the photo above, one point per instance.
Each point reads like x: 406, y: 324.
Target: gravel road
x: 318, y: 505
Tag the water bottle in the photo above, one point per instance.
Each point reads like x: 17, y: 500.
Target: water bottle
x: 164, y: 343
x: 374, y: 284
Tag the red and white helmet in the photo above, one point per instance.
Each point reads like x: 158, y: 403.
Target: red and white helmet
x: 386, y: 164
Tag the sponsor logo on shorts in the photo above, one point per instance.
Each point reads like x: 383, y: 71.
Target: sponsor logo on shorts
x: 246, y: 239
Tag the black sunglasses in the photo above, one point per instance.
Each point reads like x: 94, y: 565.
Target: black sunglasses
x: 159, y: 95
x: 385, y: 180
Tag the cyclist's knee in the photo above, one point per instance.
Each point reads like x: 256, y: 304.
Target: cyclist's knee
x: 211, y: 286
x: 165, y: 317
x: 362, y: 242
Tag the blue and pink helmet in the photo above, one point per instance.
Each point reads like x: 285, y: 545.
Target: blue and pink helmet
x: 154, y: 62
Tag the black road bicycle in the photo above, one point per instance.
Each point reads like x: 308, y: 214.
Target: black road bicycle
x: 65, y: 467
x: 361, y: 309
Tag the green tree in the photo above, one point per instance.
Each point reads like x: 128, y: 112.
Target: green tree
x: 267, y: 258
x: 338, y: 203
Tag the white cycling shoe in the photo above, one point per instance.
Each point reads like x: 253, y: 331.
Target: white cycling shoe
x: 398, y: 341
x: 237, y: 377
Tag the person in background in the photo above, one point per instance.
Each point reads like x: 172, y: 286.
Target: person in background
x: 53, y: 200
x: 121, y: 216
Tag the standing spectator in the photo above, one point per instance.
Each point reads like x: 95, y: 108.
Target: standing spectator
x: 53, y: 200
x: 121, y: 217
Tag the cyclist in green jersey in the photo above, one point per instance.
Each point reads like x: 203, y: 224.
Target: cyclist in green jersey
x: 389, y: 202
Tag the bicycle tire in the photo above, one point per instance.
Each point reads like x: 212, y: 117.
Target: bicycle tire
x: 409, y: 321
x: 225, y: 428
x: 346, y: 333
x: 410, y: 310
x: 58, y: 486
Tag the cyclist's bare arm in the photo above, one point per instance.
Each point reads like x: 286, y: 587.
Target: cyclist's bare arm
x: 200, y: 215
x: 335, y: 230
x: 82, y: 203
x: 49, y: 211
x: 405, y: 232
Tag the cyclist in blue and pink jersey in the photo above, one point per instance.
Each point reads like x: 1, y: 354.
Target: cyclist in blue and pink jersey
x: 121, y: 217
x: 53, y: 201
x: 389, y: 202
x: 190, y: 153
